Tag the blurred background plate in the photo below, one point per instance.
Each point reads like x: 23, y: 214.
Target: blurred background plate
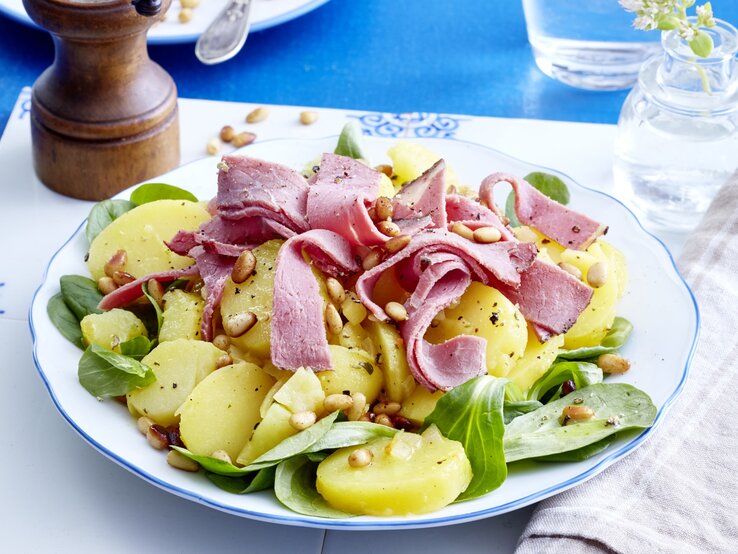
x: 265, y: 14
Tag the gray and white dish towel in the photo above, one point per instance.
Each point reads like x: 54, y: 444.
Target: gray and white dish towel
x: 678, y: 492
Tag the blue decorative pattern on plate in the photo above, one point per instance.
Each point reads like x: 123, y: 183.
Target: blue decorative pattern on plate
x: 409, y: 125
x: 660, y: 349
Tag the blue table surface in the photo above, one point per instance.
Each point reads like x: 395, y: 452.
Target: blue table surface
x: 463, y: 56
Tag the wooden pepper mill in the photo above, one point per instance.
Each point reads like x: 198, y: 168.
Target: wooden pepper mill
x: 103, y: 116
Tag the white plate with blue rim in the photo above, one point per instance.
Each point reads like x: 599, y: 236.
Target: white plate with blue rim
x: 265, y: 14
x: 660, y: 348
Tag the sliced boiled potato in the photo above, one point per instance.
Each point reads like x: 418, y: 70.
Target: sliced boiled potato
x: 300, y: 393
x: 405, y: 476
x: 354, y: 370
x: 419, y: 404
x: 182, y: 315
x: 410, y: 160
x: 142, y: 232
x: 536, y: 359
x: 273, y: 429
x: 398, y: 381
x: 594, y: 322
x: 179, y: 365
x: 254, y: 295
x: 110, y: 328
x: 223, y: 410
x: 484, y: 312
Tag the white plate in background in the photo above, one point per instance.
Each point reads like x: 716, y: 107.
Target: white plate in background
x: 265, y: 14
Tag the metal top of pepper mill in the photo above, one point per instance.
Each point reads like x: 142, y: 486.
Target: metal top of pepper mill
x: 147, y: 7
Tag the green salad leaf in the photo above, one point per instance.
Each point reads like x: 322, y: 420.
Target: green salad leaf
x: 582, y: 373
x: 511, y: 410
x: 103, y: 214
x: 580, y: 454
x: 105, y: 373
x: 80, y: 294
x: 136, y: 348
x: 617, y: 406
x: 349, y: 141
x: 150, y: 192
x: 550, y: 185
x: 294, y: 486
x: 616, y: 337
x: 253, y: 482
x: 350, y: 433
x: 472, y: 414
x: 64, y: 320
x: 157, y: 309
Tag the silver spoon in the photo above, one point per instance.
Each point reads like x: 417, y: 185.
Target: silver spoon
x: 226, y: 35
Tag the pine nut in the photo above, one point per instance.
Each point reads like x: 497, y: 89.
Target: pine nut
x: 244, y: 267
x: 143, y: 423
x: 302, y: 420
x: 335, y: 402
x: 257, y: 115
x: 227, y: 132
x: 389, y: 228
x: 213, y: 146
x: 117, y: 262
x: 203, y: 292
x: 121, y: 278
x: 221, y: 341
x: 242, y: 139
x: 361, y: 457
x: 180, y: 461
x: 308, y: 117
x: 192, y: 4
x: 333, y: 319
x: 395, y: 244
x: 155, y: 290
x: 185, y: 15
x: 156, y: 438
x: 462, y: 230
x: 384, y: 208
x: 372, y: 212
x: 389, y: 408
x: 221, y: 455
x: 106, y: 285
x: 358, y: 408
x: 572, y: 270
x: 223, y: 360
x: 238, y: 324
x: 371, y: 260
x: 576, y: 412
x: 597, y: 275
x: 487, y: 235
x: 384, y: 419
x: 222, y: 166
x: 396, y: 311
x: 613, y: 363
x: 386, y: 169
x: 335, y: 289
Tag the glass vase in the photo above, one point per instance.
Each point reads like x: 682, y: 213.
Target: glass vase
x: 677, y: 136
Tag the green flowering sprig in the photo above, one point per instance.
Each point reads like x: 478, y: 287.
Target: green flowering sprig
x: 669, y: 15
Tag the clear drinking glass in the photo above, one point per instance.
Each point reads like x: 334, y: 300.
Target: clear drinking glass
x: 590, y: 44
x: 677, y: 138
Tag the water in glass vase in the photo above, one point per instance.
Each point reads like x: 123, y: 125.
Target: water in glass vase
x: 677, y: 139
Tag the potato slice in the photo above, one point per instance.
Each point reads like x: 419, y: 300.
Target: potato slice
x: 254, y: 295
x: 109, y: 329
x: 179, y: 365
x: 537, y: 358
x: 484, y: 312
x: 223, y: 410
x: 405, y: 476
x: 353, y: 371
x: 142, y: 232
x: 182, y: 315
x: 398, y: 381
x: 410, y: 160
x: 419, y: 404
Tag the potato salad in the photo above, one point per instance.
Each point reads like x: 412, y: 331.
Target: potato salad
x: 362, y: 337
